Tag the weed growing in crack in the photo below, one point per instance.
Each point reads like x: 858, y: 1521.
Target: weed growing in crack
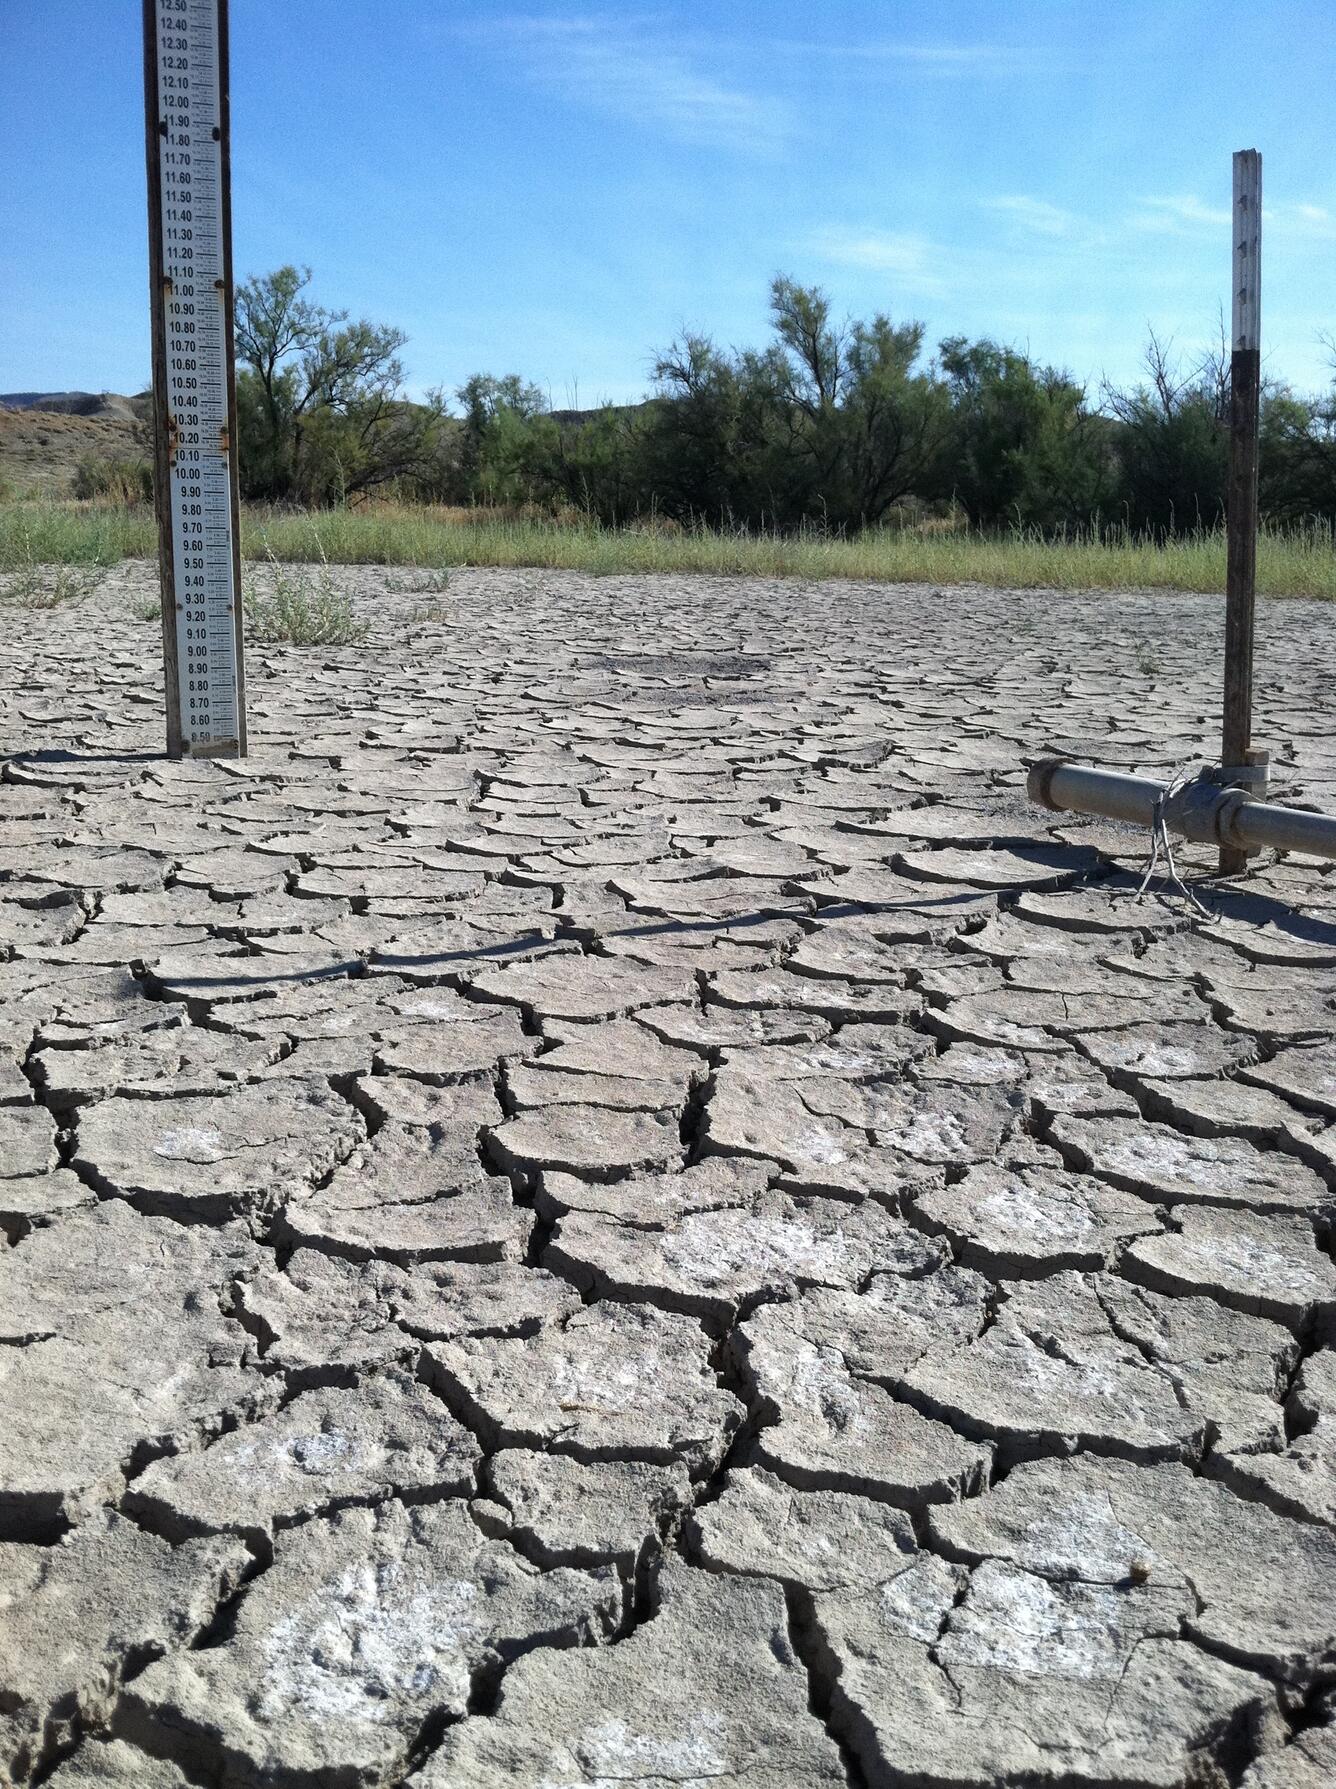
x: 304, y: 608
x: 425, y: 581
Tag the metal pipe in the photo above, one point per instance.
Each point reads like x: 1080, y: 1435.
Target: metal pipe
x: 1200, y: 810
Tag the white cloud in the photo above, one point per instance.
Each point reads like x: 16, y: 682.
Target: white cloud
x: 1055, y: 245
x: 950, y: 60
x: 1187, y: 215
x: 632, y: 70
x: 1309, y: 223
x: 1036, y: 215
x: 1179, y: 215
x: 915, y: 262
x: 994, y: 57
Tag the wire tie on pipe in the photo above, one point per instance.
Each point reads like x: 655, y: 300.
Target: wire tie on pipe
x: 1160, y: 841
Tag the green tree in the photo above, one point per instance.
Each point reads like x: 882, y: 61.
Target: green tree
x: 896, y: 420
x: 1172, y: 441
x: 501, y: 438
x: 1297, y: 455
x: 864, y: 427
x: 1023, y: 445
x: 829, y: 423
x: 708, y: 444
x: 596, y: 462
x: 320, y: 406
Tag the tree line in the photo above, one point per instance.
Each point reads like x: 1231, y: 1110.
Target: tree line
x: 843, y: 426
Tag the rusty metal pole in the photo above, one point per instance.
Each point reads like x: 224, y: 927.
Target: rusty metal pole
x: 1237, y: 757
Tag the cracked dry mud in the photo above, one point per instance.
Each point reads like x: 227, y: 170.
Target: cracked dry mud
x: 614, y: 1207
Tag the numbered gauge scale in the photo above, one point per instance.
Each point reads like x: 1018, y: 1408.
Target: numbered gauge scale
x: 185, y: 78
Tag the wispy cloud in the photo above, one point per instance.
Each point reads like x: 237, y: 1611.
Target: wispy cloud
x: 1188, y: 215
x: 1036, y: 216
x: 1177, y: 216
x: 631, y: 69
x: 990, y: 56
x: 1309, y: 223
x: 949, y: 60
x: 916, y: 263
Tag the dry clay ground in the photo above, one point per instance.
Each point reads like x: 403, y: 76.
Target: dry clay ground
x: 614, y: 1208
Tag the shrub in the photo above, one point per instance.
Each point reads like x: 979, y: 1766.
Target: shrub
x: 51, y: 586
x: 118, y: 481
x: 425, y: 581
x: 304, y: 608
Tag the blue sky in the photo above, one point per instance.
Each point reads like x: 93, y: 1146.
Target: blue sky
x: 557, y: 190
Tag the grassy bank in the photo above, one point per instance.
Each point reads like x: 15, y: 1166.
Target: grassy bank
x: 1297, y: 561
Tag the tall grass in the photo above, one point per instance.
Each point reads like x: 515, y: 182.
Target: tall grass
x: 75, y: 533
x: 1292, y: 561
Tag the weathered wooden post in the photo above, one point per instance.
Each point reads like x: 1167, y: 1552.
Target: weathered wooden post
x: 194, y: 379
x: 1237, y: 757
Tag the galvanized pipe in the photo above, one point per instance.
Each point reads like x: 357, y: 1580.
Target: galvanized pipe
x: 1201, y: 810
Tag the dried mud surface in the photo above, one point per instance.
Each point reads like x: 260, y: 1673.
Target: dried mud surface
x: 614, y: 1207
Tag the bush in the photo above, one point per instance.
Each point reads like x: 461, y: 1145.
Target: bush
x: 304, y: 608
x: 117, y: 481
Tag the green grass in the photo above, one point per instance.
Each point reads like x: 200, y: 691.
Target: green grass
x: 1294, y: 561
x: 28, y: 581
x: 74, y: 534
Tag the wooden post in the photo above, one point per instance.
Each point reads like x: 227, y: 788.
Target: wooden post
x: 188, y: 154
x: 1245, y: 370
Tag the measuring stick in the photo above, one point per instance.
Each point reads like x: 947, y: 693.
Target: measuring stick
x: 194, y: 380
x: 1237, y: 756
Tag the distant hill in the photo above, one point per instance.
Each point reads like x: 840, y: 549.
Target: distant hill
x: 578, y: 418
x: 44, y: 435
x: 78, y: 403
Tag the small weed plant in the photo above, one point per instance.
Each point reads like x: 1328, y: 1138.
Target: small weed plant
x: 304, y: 607
x: 34, y: 585
x: 425, y: 581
